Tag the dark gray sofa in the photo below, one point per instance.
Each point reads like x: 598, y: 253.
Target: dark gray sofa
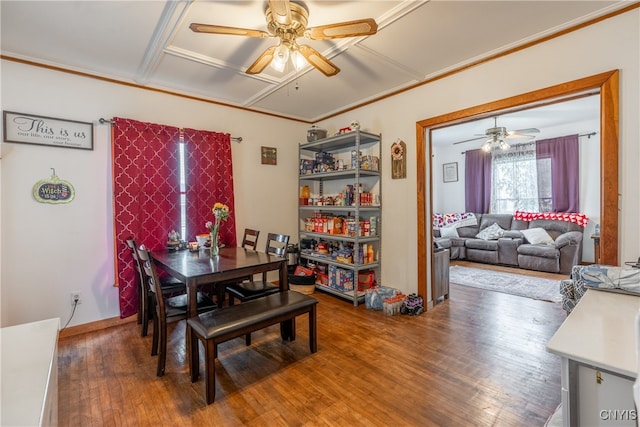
x: 512, y: 249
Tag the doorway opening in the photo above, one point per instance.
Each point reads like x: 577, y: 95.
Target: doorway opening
x: 605, y: 83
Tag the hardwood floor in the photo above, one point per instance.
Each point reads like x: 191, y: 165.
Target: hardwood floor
x: 477, y: 359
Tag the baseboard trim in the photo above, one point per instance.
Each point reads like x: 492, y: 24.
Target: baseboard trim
x: 95, y: 326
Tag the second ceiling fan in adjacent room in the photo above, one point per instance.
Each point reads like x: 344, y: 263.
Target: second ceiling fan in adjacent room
x: 498, y: 135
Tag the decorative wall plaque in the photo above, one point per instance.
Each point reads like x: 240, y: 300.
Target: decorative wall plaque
x: 40, y: 130
x: 53, y: 190
x: 269, y: 156
x: 398, y: 159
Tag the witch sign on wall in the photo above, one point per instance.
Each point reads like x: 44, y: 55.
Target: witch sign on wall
x: 53, y: 190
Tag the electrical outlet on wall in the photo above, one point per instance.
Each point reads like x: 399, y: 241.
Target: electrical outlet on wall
x: 75, y: 298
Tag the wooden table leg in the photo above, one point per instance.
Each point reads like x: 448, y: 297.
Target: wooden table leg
x: 193, y: 355
x: 284, y: 277
x: 287, y: 329
x: 192, y: 298
x: 313, y: 333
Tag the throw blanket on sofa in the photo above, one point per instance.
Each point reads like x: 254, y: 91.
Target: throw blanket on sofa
x: 454, y: 220
x: 578, y: 218
x: 610, y: 277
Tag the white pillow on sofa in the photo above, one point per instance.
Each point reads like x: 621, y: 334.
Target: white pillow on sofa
x: 449, y: 232
x: 537, y: 236
x: 492, y: 232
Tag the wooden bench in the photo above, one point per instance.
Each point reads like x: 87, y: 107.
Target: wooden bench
x: 235, y: 321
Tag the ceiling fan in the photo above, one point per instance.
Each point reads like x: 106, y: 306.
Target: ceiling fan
x: 497, y: 136
x: 288, y: 21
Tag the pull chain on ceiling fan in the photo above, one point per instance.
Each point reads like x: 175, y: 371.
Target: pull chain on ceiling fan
x: 288, y: 21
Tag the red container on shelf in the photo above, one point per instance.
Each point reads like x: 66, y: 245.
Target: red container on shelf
x: 366, y: 280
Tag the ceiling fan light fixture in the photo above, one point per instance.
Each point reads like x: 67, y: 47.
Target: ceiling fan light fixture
x: 503, y: 145
x: 298, y: 60
x: 486, y: 147
x: 280, y: 58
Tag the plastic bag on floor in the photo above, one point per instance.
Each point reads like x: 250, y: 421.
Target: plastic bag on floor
x: 374, y: 297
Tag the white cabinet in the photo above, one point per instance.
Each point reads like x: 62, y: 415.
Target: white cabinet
x: 604, y: 398
x: 597, y: 345
x: 340, y: 223
x: 30, y: 374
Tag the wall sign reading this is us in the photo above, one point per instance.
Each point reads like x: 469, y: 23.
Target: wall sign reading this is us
x: 38, y: 130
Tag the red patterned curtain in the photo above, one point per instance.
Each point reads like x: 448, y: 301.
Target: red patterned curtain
x: 209, y: 176
x: 145, y: 195
x: 146, y: 191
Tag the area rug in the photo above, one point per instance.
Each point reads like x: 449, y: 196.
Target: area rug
x: 514, y: 284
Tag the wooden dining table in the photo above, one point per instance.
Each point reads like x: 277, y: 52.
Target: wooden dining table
x: 199, y: 268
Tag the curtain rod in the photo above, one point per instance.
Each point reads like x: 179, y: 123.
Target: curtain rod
x: 107, y: 121
x: 588, y: 135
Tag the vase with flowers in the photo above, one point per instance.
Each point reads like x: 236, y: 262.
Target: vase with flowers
x: 220, y: 213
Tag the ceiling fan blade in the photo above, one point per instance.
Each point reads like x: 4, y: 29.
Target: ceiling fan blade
x: 219, y: 29
x: 469, y: 140
x: 518, y: 136
x: 262, y: 61
x: 281, y: 11
x: 361, y: 27
x: 524, y: 131
x: 320, y: 62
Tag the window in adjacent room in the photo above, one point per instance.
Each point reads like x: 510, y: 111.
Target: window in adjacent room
x: 520, y: 181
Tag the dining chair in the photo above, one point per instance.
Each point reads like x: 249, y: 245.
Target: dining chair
x: 250, y: 238
x: 167, y: 309
x: 249, y: 241
x: 170, y: 286
x: 248, y: 290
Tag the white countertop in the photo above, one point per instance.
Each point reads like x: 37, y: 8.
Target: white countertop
x: 27, y: 356
x: 600, y: 331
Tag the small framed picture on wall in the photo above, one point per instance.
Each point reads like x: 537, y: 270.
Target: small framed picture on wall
x: 450, y: 172
x: 269, y: 155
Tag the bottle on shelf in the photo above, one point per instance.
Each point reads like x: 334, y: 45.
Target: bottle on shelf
x: 305, y: 195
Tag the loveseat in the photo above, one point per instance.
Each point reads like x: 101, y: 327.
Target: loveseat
x: 550, y: 245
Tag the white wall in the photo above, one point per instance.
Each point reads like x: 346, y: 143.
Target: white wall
x: 608, y: 45
x: 448, y: 196
x: 50, y: 251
